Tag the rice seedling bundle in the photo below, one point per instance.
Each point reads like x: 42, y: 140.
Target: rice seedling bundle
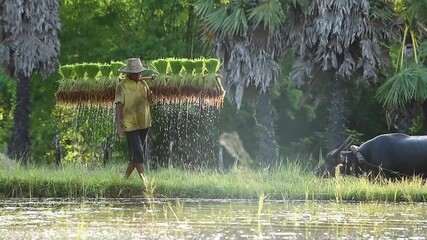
x: 104, y: 79
x: 92, y: 70
x: 105, y: 70
x: 161, y: 67
x: 212, y: 80
x: 188, y: 89
x: 175, y: 77
x: 80, y: 71
x: 198, y: 72
x: 67, y: 71
x: 193, y: 81
x: 68, y: 75
x: 89, y: 84
x: 115, y: 68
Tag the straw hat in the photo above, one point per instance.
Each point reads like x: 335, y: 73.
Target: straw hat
x: 133, y: 66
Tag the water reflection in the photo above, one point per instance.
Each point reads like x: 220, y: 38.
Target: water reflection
x: 208, y: 219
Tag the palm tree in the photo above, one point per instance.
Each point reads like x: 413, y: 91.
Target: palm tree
x: 404, y: 93
x: 342, y: 40
x: 247, y: 39
x: 28, y: 44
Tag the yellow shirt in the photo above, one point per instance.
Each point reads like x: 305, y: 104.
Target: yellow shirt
x: 136, y: 107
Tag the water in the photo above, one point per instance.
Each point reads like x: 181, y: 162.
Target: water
x: 183, y: 134
x: 208, y: 219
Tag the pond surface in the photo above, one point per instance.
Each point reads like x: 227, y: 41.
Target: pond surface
x: 208, y: 219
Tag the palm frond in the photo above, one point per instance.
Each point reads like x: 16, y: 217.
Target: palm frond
x: 423, y: 51
x: 215, y: 20
x: 421, y: 88
x: 202, y: 7
x: 270, y: 13
x: 238, y: 76
x: 266, y: 71
x: 380, y: 10
x: 417, y: 9
x: 301, y: 3
x: 236, y: 22
x: 408, y: 84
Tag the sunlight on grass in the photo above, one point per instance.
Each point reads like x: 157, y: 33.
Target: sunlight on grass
x: 289, y: 181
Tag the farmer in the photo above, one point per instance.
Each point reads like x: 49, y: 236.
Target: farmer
x: 133, y: 117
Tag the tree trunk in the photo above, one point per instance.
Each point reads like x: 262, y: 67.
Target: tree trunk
x: 20, y: 143
x: 266, y: 132
x: 190, y: 30
x: 337, y: 118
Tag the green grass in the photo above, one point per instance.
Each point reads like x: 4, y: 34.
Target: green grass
x: 287, y: 183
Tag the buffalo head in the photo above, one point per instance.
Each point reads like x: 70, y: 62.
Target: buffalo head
x: 344, y: 159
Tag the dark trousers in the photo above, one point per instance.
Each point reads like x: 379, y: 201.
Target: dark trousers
x: 136, y: 142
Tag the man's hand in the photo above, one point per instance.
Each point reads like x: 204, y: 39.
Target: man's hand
x: 119, y: 132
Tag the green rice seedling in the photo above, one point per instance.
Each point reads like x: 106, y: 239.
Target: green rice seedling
x: 66, y: 84
x: 80, y: 71
x: 110, y: 82
x: 188, y: 71
x: 92, y: 70
x: 176, y: 67
x: 173, y: 211
x: 67, y: 71
x: 162, y: 67
x: 199, y: 66
x: 148, y: 72
x: 105, y: 70
x: 115, y: 68
x: 212, y: 66
x: 188, y: 66
x: 261, y: 201
x: 150, y: 188
x: 198, y: 72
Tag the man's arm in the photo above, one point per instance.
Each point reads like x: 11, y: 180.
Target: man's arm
x: 119, y: 119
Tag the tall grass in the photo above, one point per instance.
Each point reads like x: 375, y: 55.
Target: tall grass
x: 288, y: 182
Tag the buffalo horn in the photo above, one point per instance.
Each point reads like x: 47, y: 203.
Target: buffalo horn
x: 355, y: 150
x: 345, y: 144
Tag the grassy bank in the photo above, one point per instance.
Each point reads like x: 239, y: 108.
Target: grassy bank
x: 288, y: 182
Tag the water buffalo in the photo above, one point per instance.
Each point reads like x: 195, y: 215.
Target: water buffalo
x: 393, y: 155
